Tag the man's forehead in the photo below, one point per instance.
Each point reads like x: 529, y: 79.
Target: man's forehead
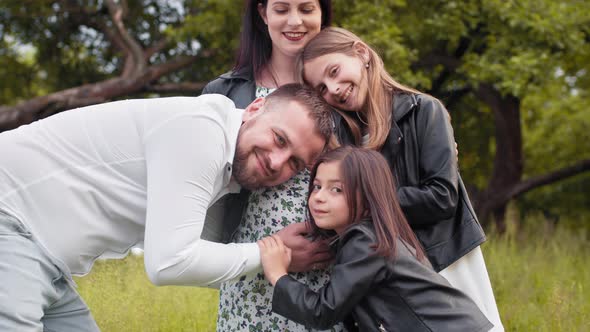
x: 286, y: 104
x: 292, y: 117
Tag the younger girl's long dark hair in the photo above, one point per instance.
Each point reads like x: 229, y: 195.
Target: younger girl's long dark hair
x: 368, y: 184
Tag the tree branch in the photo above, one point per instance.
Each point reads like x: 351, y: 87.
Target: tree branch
x: 157, y: 47
x: 40, y: 107
x: 498, y: 198
x: 552, y: 177
x: 118, y: 13
x: 159, y: 70
x: 111, y: 35
x: 182, y: 88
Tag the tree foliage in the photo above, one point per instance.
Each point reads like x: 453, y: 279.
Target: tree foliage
x: 499, y: 66
x: 514, y: 74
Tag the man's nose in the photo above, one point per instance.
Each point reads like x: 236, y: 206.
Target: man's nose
x: 278, y: 159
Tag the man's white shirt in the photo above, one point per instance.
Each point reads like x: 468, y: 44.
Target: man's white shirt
x: 99, y: 180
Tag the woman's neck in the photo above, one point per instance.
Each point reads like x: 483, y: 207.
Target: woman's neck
x: 279, y: 70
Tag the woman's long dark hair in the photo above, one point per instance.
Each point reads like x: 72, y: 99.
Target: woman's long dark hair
x: 368, y: 184
x: 255, y: 43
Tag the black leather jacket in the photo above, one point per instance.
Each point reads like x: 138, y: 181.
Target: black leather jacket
x: 382, y: 295
x: 420, y: 150
x: 237, y: 86
x: 240, y: 87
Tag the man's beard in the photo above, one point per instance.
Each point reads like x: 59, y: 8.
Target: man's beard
x: 239, y: 169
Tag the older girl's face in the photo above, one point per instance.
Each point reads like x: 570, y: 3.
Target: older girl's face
x: 340, y: 79
x: 291, y: 23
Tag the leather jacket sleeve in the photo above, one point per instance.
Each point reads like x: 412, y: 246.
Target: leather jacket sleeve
x: 436, y: 195
x: 355, y: 271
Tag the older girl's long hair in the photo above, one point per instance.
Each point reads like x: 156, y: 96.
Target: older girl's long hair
x: 369, y: 185
x: 382, y: 86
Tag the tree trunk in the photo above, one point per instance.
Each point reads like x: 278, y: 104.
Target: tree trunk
x: 508, y: 159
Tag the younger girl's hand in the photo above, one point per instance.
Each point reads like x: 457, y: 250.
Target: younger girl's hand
x: 275, y: 257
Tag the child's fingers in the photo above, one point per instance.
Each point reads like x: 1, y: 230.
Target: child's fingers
x: 278, y: 241
x: 270, y: 242
x: 266, y: 244
x: 261, y: 244
x: 281, y: 247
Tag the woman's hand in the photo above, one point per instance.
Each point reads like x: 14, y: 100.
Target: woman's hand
x: 275, y: 257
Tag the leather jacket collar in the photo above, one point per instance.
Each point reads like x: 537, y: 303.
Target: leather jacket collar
x: 243, y: 74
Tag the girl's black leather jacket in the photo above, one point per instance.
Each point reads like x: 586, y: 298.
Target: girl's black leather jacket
x: 372, y: 293
x: 420, y: 150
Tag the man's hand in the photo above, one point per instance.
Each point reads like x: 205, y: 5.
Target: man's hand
x: 305, y: 254
x: 275, y: 257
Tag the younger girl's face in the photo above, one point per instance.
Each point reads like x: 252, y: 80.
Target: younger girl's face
x: 327, y: 201
x: 340, y: 79
x: 291, y: 23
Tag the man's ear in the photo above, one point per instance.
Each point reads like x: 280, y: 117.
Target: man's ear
x: 262, y: 13
x: 254, y: 109
x: 362, y: 51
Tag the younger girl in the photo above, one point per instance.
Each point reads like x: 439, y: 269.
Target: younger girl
x: 381, y: 280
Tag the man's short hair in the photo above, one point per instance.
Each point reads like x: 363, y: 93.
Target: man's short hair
x: 319, y: 110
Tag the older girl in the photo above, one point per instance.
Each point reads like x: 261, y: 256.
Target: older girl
x: 412, y: 132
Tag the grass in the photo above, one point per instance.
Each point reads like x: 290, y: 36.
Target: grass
x: 121, y: 298
x: 540, y: 275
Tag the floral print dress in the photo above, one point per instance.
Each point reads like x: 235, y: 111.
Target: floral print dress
x: 245, y: 304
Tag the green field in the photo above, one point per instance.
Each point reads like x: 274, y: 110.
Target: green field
x: 540, y: 275
x: 121, y: 298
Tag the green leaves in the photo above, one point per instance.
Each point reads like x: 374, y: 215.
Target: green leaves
x: 537, y: 51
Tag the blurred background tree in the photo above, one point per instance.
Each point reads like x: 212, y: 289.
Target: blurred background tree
x: 514, y: 75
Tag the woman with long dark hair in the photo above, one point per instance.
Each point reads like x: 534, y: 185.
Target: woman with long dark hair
x: 273, y: 32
